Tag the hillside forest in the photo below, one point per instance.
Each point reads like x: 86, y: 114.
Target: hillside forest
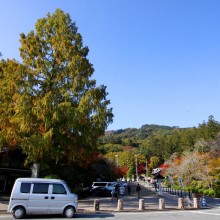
x: 192, y: 154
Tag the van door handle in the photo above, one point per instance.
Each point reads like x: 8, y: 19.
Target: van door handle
x: 52, y: 197
x: 46, y: 197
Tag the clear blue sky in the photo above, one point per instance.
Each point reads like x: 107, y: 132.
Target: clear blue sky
x: 160, y: 59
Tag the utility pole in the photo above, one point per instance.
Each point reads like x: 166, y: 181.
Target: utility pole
x: 146, y: 170
x: 116, y: 156
x: 147, y: 183
x: 136, y: 167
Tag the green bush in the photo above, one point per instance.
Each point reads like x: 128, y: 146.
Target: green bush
x: 193, y: 184
x: 200, y: 191
x: 211, y: 192
x: 217, y: 193
x: 199, y: 185
x: 194, y: 190
x: 206, y: 192
x: 187, y: 188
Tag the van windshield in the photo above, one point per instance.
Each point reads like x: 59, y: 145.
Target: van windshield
x: 67, y: 187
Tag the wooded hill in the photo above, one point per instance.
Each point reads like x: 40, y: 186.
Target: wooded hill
x: 139, y: 133
x: 168, y: 140
x: 192, y: 153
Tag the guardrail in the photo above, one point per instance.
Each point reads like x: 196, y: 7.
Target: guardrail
x: 181, y: 193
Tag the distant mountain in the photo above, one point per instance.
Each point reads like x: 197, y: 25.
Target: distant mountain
x: 117, y: 136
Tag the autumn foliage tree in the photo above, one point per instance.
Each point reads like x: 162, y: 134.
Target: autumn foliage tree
x: 57, y: 109
x: 11, y: 82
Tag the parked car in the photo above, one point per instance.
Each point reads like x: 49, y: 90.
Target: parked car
x: 101, y: 191
x: 31, y: 196
x: 108, y: 185
x: 121, y: 183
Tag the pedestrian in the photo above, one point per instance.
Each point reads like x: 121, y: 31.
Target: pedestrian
x: 138, y: 190
x: 117, y: 191
x: 113, y: 194
x: 129, y: 190
x: 154, y: 183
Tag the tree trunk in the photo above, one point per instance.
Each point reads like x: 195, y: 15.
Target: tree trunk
x: 35, y: 170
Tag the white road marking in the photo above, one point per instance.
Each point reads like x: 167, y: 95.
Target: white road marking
x: 5, y: 216
x: 207, y: 213
x: 165, y: 212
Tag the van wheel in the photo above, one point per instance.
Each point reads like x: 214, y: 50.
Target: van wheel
x: 69, y: 212
x: 19, y: 212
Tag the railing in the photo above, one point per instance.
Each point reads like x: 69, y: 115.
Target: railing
x: 180, y: 193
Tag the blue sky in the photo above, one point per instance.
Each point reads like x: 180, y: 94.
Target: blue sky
x: 160, y: 59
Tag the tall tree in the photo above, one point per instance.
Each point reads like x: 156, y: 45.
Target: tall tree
x: 11, y: 83
x: 61, y: 112
x: 208, y: 130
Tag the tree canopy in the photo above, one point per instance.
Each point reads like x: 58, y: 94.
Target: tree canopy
x: 56, y: 107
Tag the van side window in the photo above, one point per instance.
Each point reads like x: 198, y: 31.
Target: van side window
x: 58, y: 189
x: 41, y: 188
x: 25, y: 187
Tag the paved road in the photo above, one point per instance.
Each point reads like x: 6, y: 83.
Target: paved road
x: 213, y: 214
x: 108, y: 208
x: 131, y: 203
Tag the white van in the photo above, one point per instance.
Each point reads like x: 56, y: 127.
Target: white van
x: 31, y: 196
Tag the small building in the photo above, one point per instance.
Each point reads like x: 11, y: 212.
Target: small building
x: 11, y: 168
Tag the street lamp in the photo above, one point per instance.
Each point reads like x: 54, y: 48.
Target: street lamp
x: 136, y: 167
x: 147, y: 183
x: 146, y: 170
x: 116, y: 156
